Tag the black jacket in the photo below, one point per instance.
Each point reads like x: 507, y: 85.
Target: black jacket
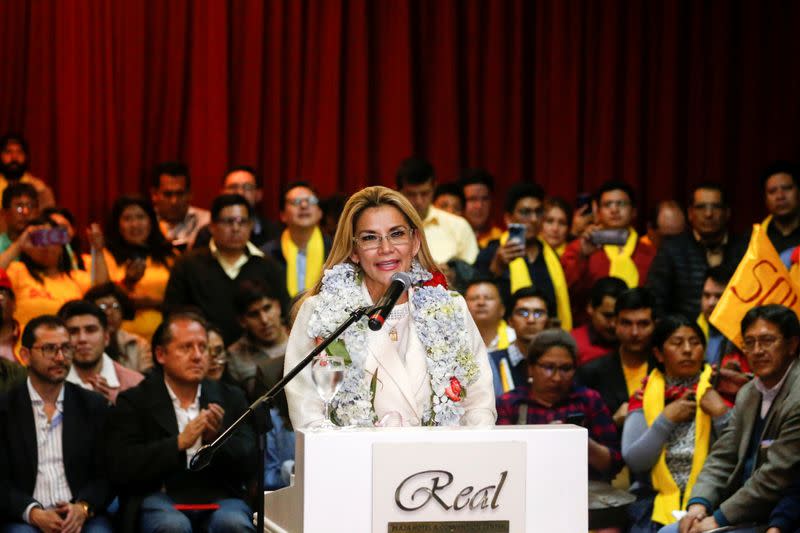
x: 679, y: 269
x: 605, y: 375
x: 82, y: 438
x: 142, y: 446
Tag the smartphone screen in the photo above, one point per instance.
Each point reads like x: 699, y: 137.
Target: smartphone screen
x: 516, y: 232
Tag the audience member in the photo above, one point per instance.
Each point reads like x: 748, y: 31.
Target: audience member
x: 619, y: 375
x: 678, y: 271
x: 245, y: 180
x: 52, y: 472
x: 449, y: 197
x: 207, y: 278
x: 598, y: 337
x: 666, y: 220
x: 9, y: 327
x: 529, y: 314
x: 14, y: 169
x: 550, y: 395
x: 138, y: 258
x: 43, y: 279
x: 478, y: 187
x: 756, y: 457
x: 302, y: 248
x: 716, y: 344
x: 449, y: 236
x: 332, y: 208
x: 783, y: 203
x: 171, y: 194
x: 588, y: 259
x: 668, y: 431
x: 515, y: 264
x: 128, y: 349
x: 157, y: 426
x: 65, y: 219
x: 218, y: 355
x: 259, y: 310
x: 11, y: 373
x: 20, y: 206
x: 487, y: 310
x: 92, y: 368
x: 555, y: 224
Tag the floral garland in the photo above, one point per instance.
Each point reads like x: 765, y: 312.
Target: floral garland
x: 439, y: 322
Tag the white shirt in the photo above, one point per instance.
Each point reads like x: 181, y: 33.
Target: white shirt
x: 51, y: 479
x: 449, y: 237
x: 232, y: 269
x: 768, y: 395
x: 185, y: 416
x: 107, y: 371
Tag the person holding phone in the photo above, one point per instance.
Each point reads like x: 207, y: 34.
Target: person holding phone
x: 520, y: 259
x: 671, y: 424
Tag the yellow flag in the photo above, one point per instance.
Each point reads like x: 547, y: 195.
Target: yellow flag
x: 761, y: 278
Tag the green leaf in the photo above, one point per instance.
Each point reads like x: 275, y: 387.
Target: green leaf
x: 338, y: 349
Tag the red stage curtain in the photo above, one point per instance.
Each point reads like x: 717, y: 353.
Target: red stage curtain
x: 565, y: 92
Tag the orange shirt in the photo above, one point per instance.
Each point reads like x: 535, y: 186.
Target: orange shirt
x: 35, y: 298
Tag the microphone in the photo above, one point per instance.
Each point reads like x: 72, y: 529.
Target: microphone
x: 400, y: 283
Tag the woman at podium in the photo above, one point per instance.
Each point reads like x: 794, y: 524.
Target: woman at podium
x: 427, y: 365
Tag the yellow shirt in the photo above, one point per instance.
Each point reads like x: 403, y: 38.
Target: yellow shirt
x: 486, y: 237
x: 34, y: 298
x: 634, y: 375
x: 449, y: 237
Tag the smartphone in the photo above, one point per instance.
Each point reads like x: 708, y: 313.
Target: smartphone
x: 583, y: 199
x: 575, y: 418
x: 603, y: 237
x: 516, y: 232
x: 49, y: 237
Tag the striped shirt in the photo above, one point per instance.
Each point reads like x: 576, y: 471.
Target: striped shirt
x: 51, y: 479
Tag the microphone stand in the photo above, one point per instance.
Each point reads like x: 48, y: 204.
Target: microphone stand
x: 204, y: 455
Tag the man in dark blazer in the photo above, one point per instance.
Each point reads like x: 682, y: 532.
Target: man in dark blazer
x: 155, y: 429
x: 618, y: 375
x: 52, y: 476
x: 755, y: 460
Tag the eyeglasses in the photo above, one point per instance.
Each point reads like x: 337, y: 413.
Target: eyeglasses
x: 22, y: 208
x: 527, y: 313
x: 372, y: 241
x: 50, y: 350
x: 550, y: 370
x: 610, y: 204
x: 297, y: 202
x: 233, y: 221
x: 112, y: 306
x: 218, y: 355
x: 246, y: 187
x: 765, y: 341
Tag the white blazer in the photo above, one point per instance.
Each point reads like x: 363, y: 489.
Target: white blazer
x: 402, y: 389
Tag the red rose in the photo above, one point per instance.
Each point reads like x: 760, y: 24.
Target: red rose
x: 454, y: 390
x: 437, y: 279
x: 455, y: 385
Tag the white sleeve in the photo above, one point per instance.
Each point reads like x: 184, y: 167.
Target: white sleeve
x: 305, y: 406
x: 480, y: 400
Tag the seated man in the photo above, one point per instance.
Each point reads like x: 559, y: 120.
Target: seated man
x: 618, y: 375
x: 92, y: 368
x: 259, y: 311
x: 487, y: 310
x: 171, y: 195
x: 756, y: 458
x: 530, y: 313
x: 158, y: 425
x: 478, y: 187
x: 717, y: 279
x: 14, y: 169
x: 52, y: 476
x: 449, y: 197
x: 598, y: 337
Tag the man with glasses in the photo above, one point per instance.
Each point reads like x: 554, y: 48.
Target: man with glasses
x: 678, y: 271
x: 301, y: 248
x: 20, y: 206
x: 609, y: 247
x: 515, y: 261
x: 92, y: 368
x: 207, y: 278
x: 755, y: 460
x: 171, y: 194
x: 529, y: 314
x: 52, y: 474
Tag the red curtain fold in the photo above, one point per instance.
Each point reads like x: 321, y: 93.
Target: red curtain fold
x: 568, y: 93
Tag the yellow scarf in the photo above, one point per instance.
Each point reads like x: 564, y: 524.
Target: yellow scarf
x: 521, y: 277
x: 668, y: 497
x: 315, y: 257
x: 622, y: 265
x: 502, y: 335
x: 702, y: 321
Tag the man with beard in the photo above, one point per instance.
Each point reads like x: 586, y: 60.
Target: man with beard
x: 52, y: 477
x: 14, y: 169
x: 92, y: 368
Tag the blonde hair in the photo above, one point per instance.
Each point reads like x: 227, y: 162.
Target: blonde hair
x: 367, y: 198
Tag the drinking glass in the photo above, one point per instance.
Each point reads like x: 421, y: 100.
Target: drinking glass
x: 327, y: 371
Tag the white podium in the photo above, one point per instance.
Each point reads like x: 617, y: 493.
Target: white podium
x: 505, y: 478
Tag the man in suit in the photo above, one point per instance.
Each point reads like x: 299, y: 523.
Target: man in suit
x: 157, y: 427
x: 51, y: 473
x: 618, y: 375
x: 755, y: 459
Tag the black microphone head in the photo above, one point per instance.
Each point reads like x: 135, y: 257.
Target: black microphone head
x: 402, y: 277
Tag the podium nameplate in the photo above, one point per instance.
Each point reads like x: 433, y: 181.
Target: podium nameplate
x: 442, y: 488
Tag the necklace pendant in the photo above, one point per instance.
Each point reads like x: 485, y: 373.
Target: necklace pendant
x: 393, y: 334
